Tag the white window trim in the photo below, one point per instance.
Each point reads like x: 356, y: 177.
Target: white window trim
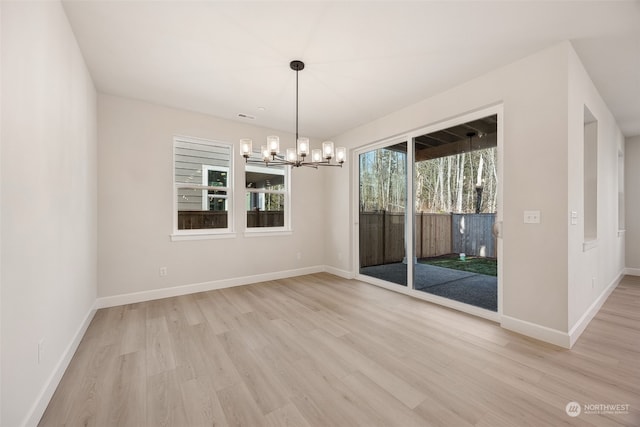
x: 204, y: 233
x: 286, y: 229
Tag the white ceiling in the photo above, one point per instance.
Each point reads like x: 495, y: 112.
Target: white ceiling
x: 363, y: 59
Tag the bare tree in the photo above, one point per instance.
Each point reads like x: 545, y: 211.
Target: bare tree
x: 445, y: 184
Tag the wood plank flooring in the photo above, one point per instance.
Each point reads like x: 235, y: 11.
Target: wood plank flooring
x: 318, y: 350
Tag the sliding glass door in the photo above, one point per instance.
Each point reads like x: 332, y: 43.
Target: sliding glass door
x: 429, y: 213
x: 456, y: 195
x: 382, y: 213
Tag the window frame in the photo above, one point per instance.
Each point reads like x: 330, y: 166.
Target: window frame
x: 204, y: 233
x: 286, y: 228
x: 205, y: 179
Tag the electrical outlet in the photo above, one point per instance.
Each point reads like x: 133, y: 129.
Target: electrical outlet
x: 299, y: 256
x: 163, y: 271
x: 532, y: 217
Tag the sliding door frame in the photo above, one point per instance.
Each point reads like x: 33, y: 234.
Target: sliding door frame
x: 409, y: 137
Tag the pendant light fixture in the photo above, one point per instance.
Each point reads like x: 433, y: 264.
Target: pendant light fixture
x: 296, y: 157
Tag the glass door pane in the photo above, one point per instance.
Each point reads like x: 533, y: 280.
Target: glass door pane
x: 456, y: 189
x: 382, y: 213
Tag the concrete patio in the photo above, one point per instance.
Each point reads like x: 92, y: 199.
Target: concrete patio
x: 470, y: 288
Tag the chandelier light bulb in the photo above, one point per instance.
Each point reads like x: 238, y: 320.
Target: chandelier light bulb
x: 303, y: 147
x: 291, y: 155
x: 316, y: 155
x: 246, y: 147
x: 273, y: 144
x: 265, y: 153
x: 341, y: 154
x: 327, y: 150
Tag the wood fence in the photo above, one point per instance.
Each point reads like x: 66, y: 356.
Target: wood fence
x: 188, y: 220
x: 382, y: 236
x: 433, y: 235
x: 193, y: 220
x: 472, y: 234
x: 265, y: 218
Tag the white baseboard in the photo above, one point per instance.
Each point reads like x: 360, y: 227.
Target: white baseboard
x: 632, y: 271
x: 37, y: 410
x: 338, y: 272
x: 536, y: 331
x: 581, y: 324
x: 154, y: 294
x: 554, y: 336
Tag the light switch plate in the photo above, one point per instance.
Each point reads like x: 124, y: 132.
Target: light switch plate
x: 532, y: 217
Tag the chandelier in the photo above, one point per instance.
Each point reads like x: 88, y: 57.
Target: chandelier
x: 296, y: 157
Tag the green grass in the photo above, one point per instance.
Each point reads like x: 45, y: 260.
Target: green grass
x: 480, y: 265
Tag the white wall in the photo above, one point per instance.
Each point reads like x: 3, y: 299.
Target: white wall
x: 632, y: 203
x: 49, y: 204
x: 592, y: 271
x: 0, y: 212
x: 136, y: 200
x: 534, y: 94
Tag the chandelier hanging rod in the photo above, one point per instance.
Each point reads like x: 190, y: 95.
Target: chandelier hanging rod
x: 297, y: 66
x: 296, y: 157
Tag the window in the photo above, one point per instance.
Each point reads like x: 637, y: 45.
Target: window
x: 267, y: 197
x: 215, y: 176
x: 590, y: 185
x: 621, y: 216
x: 203, y: 186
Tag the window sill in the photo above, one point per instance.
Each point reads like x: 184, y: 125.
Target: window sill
x: 590, y: 244
x: 175, y: 237
x: 621, y: 233
x: 269, y: 232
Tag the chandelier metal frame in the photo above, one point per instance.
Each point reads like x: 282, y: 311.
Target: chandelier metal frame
x: 295, y: 157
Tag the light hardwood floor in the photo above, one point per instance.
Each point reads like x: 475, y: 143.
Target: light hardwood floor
x: 322, y: 351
